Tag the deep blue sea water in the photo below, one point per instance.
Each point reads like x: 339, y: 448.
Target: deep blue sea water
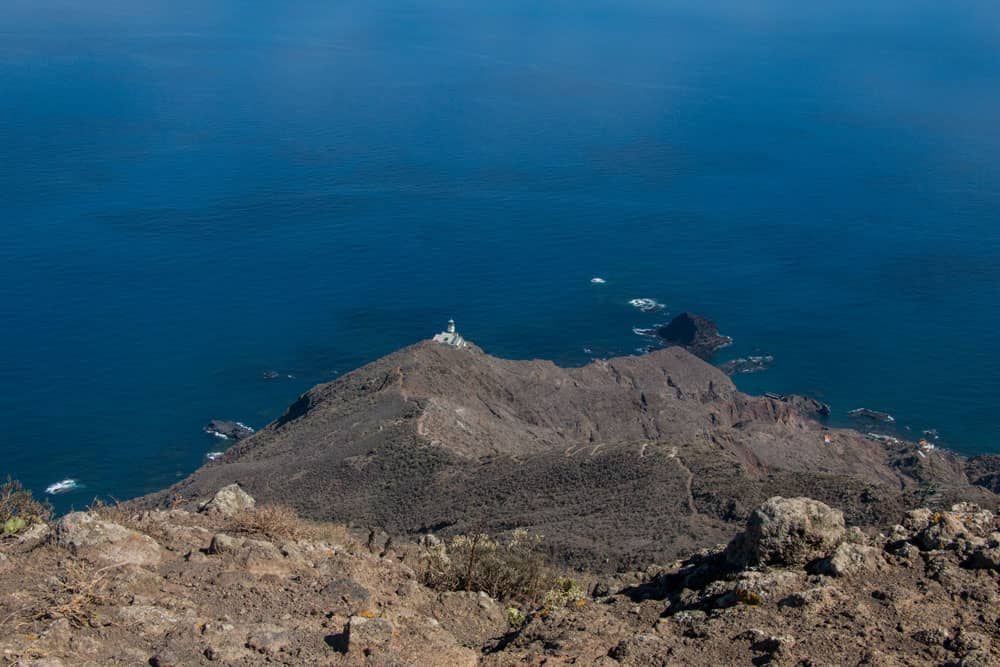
x: 194, y: 193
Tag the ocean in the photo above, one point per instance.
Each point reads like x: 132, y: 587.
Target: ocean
x: 196, y: 194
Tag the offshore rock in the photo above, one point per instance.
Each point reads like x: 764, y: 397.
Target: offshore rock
x: 747, y: 365
x: 695, y: 333
x: 228, y: 430
x: 867, y: 415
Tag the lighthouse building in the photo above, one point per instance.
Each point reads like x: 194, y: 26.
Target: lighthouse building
x: 450, y: 337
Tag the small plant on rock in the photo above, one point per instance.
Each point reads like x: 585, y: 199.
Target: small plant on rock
x: 563, y: 593
x: 749, y: 597
x: 19, y: 509
x: 515, y: 617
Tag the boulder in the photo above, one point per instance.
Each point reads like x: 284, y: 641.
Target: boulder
x: 89, y: 537
x: 917, y: 519
x: 695, y: 333
x: 787, y: 531
x: 978, y: 521
x: 473, y: 618
x: 984, y: 558
x: 366, y: 634
x: 269, y: 640
x: 229, y: 501
x: 348, y: 593
x: 847, y: 559
x: 222, y: 543
x: 33, y: 534
x: 942, y: 533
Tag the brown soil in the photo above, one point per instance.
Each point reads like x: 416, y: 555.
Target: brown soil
x: 927, y: 593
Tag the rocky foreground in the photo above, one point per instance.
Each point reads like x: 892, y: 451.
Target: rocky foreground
x: 619, y: 464
x: 239, y: 584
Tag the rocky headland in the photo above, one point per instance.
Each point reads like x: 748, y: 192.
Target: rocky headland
x: 620, y: 463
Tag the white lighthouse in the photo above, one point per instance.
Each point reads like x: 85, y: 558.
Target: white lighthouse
x: 450, y: 337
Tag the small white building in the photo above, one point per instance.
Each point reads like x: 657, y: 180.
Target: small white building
x: 451, y: 337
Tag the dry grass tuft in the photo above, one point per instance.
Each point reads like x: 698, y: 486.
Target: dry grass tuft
x: 81, y: 591
x: 280, y: 522
x: 124, y: 514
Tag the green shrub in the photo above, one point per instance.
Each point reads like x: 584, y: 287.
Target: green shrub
x: 563, y: 592
x: 515, y: 617
x: 509, y: 568
x: 19, y: 509
x: 13, y: 525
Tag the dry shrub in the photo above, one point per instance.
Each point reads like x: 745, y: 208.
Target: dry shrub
x: 508, y: 568
x: 19, y: 509
x: 333, y: 533
x: 124, y: 514
x: 80, y: 592
x: 279, y: 522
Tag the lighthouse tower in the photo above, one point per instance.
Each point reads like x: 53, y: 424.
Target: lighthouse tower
x: 450, y: 337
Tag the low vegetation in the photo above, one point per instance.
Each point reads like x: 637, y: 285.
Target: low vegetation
x: 19, y: 509
x: 281, y: 522
x: 510, y: 568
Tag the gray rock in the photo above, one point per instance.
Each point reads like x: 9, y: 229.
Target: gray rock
x: 366, y: 634
x: 33, y: 534
x: 787, y: 531
x: 348, y: 592
x: 942, y: 533
x: 931, y: 636
x: 918, y: 519
x: 89, y: 537
x: 229, y: 501
x: 269, y: 640
x: 222, y: 543
x: 986, y: 558
x: 847, y: 559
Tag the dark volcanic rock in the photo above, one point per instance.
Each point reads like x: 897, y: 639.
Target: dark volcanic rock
x: 808, y: 406
x: 621, y: 462
x: 747, y: 365
x: 984, y: 471
x: 229, y: 430
x: 695, y: 333
x: 866, y: 415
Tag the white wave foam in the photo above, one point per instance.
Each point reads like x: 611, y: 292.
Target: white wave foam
x: 649, y: 333
x: 211, y: 456
x: 62, y: 486
x: 646, y: 305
